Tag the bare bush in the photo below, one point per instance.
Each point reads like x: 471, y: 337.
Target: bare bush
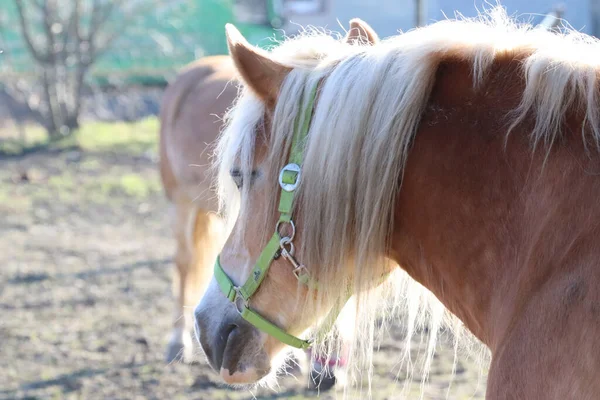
x: 65, y: 38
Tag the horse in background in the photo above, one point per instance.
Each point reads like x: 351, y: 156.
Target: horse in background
x: 190, y: 121
x: 467, y: 152
x: 189, y: 124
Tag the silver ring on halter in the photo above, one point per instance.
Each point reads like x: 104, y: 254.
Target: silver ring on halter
x: 291, y: 237
x: 239, y: 301
x: 290, y: 187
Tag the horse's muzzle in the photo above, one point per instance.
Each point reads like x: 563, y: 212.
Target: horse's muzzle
x: 233, y: 347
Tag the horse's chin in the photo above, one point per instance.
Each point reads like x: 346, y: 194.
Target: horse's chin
x: 245, y: 378
x: 244, y: 361
x: 283, y: 362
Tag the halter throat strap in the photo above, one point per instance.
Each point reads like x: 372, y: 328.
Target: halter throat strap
x: 289, y: 179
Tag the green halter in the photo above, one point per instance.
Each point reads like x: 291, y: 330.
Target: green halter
x: 289, y: 178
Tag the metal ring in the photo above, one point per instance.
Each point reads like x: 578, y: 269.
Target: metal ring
x: 239, y: 301
x: 282, y: 244
x: 286, y: 222
x: 290, y: 187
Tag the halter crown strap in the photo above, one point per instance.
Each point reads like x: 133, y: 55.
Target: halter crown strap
x: 289, y: 179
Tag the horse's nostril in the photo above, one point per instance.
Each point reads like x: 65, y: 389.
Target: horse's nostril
x: 222, y: 344
x: 233, y: 347
x: 215, y: 347
x: 227, y: 332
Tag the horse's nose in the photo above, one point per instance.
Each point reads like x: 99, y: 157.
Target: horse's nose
x: 213, y: 341
x: 232, y: 346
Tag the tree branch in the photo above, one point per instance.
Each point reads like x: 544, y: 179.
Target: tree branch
x: 100, y: 48
x: 48, y: 21
x: 38, y: 55
x: 72, y: 29
x: 100, y: 14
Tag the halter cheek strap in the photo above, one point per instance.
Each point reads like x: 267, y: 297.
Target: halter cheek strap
x: 289, y: 179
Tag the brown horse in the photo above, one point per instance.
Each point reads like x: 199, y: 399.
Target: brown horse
x: 466, y: 151
x: 190, y: 120
x: 189, y: 124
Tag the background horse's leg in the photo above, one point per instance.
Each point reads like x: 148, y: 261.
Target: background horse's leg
x: 199, y: 236
x: 180, y: 341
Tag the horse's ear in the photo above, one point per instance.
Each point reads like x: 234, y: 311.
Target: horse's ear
x: 361, y: 32
x: 260, y: 73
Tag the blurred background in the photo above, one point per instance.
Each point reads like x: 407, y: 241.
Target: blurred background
x: 85, y: 244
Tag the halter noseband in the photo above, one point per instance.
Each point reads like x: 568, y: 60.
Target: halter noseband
x: 289, y: 178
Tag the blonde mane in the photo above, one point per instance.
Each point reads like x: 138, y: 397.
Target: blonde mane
x: 368, y: 110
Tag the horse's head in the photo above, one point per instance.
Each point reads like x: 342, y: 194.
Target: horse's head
x: 257, y: 299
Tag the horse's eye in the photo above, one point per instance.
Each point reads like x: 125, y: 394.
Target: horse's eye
x: 238, y: 177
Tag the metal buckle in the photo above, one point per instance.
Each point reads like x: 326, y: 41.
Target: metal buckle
x: 290, y: 187
x: 238, y: 296
x: 297, y: 270
x: 286, y: 253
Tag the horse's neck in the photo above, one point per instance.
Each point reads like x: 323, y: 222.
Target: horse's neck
x: 477, y: 223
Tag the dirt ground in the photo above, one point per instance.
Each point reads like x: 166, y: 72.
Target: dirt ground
x: 85, y: 291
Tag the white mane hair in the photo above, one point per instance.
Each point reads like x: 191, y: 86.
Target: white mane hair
x: 368, y: 110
